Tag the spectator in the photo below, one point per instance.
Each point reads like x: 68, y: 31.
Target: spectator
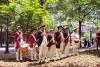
x: 98, y: 39
x: 85, y: 42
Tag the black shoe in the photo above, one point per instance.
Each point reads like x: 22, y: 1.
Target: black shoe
x: 21, y: 61
x: 52, y: 60
x: 39, y: 62
x: 43, y: 62
x: 17, y: 61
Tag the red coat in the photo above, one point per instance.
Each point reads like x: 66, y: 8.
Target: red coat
x: 17, y: 40
x: 98, y: 35
x: 32, y: 40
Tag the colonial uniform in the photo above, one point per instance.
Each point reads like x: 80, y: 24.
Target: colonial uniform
x: 18, y: 38
x: 58, y: 42
x: 66, y: 43
x: 32, y: 40
x: 51, y: 46
x: 62, y: 44
x: 75, y: 42
x: 98, y: 39
x: 42, y: 43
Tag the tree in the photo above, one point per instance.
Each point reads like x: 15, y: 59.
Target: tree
x: 28, y: 13
x: 5, y: 12
x: 79, y: 10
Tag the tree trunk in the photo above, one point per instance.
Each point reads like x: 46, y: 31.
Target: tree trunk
x: 80, y: 31
x: 42, y: 2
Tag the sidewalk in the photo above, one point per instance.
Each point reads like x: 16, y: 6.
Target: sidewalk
x: 86, y: 60
x: 10, y: 55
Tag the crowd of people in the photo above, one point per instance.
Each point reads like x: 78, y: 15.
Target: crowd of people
x: 93, y: 42
x: 51, y: 45
x: 89, y: 43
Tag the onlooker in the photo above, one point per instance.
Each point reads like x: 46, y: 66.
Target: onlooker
x: 98, y: 39
x: 85, y: 42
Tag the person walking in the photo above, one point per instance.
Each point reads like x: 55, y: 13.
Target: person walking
x: 66, y: 41
x: 51, y: 45
x: 58, y: 42
x: 32, y: 40
x: 42, y: 43
x: 19, y: 41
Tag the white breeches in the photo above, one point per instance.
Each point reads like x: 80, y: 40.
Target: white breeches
x: 18, y: 54
x: 51, y: 52
x: 43, y: 51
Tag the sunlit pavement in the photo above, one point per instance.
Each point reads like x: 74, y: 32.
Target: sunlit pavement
x: 84, y: 59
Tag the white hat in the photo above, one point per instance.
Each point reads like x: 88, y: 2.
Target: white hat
x: 75, y: 28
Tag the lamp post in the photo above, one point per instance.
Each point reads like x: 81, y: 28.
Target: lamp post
x: 7, y: 48
x: 1, y: 36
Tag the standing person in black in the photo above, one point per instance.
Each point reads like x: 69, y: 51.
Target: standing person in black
x: 89, y: 44
x: 85, y: 42
x: 58, y: 42
x: 42, y: 43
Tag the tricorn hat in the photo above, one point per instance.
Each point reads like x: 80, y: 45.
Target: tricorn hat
x: 33, y: 29
x: 66, y: 27
x: 18, y: 27
x: 42, y: 26
x: 59, y: 27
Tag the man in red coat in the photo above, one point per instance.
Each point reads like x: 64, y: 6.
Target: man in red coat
x: 18, y: 38
x: 33, y: 46
x: 98, y: 38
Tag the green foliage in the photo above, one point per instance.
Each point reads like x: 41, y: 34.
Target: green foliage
x: 32, y: 13
x: 79, y: 9
x: 28, y: 13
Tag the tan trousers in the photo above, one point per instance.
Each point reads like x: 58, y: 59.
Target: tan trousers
x: 58, y: 53
x: 33, y: 54
x: 51, y: 52
x: 66, y: 52
x: 43, y: 51
x: 76, y: 46
x: 62, y: 49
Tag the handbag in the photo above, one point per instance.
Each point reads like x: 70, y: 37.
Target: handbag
x: 76, y: 41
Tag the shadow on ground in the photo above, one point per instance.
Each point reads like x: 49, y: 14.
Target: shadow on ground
x: 92, y: 52
x: 14, y: 60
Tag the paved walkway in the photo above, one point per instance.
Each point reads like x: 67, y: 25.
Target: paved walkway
x: 85, y: 58
x: 11, y: 53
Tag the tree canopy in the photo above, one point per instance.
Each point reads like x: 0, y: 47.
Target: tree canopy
x: 33, y: 13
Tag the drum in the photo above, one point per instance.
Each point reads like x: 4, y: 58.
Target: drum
x: 24, y: 49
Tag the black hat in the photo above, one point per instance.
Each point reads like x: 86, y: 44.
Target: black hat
x: 75, y: 28
x: 33, y: 30
x: 18, y: 27
x: 59, y: 27
x: 66, y: 27
x: 42, y: 26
